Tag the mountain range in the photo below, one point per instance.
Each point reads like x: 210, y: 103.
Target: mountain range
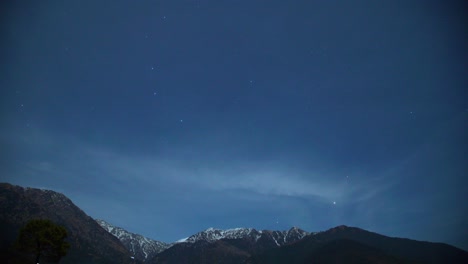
x: 97, y: 241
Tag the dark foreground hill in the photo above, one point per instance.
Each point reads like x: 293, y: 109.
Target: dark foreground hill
x: 89, y: 242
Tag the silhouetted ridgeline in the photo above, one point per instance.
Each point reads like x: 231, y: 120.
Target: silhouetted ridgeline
x: 344, y: 244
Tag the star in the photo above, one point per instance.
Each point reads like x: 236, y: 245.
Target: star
x: 334, y: 202
x: 154, y: 93
x: 152, y: 68
x: 181, y: 120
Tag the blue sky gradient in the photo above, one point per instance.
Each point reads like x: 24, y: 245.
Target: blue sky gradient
x: 169, y: 117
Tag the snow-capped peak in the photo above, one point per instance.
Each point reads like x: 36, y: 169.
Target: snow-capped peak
x: 278, y: 237
x: 141, y: 247
x: 212, y: 234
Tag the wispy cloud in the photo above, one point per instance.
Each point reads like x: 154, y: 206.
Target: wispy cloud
x: 81, y: 161
x: 112, y: 184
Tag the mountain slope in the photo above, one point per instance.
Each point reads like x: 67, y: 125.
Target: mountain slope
x: 226, y: 246
x: 360, y: 246
x: 142, y: 248
x: 277, y: 237
x: 89, y: 242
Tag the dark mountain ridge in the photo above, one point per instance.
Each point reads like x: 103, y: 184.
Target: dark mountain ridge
x: 227, y: 246
x: 89, y: 242
x: 361, y: 246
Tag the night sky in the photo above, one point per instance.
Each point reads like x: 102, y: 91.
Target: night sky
x: 169, y: 117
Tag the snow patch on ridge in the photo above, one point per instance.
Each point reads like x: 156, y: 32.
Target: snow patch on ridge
x: 277, y: 237
x: 141, y: 247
